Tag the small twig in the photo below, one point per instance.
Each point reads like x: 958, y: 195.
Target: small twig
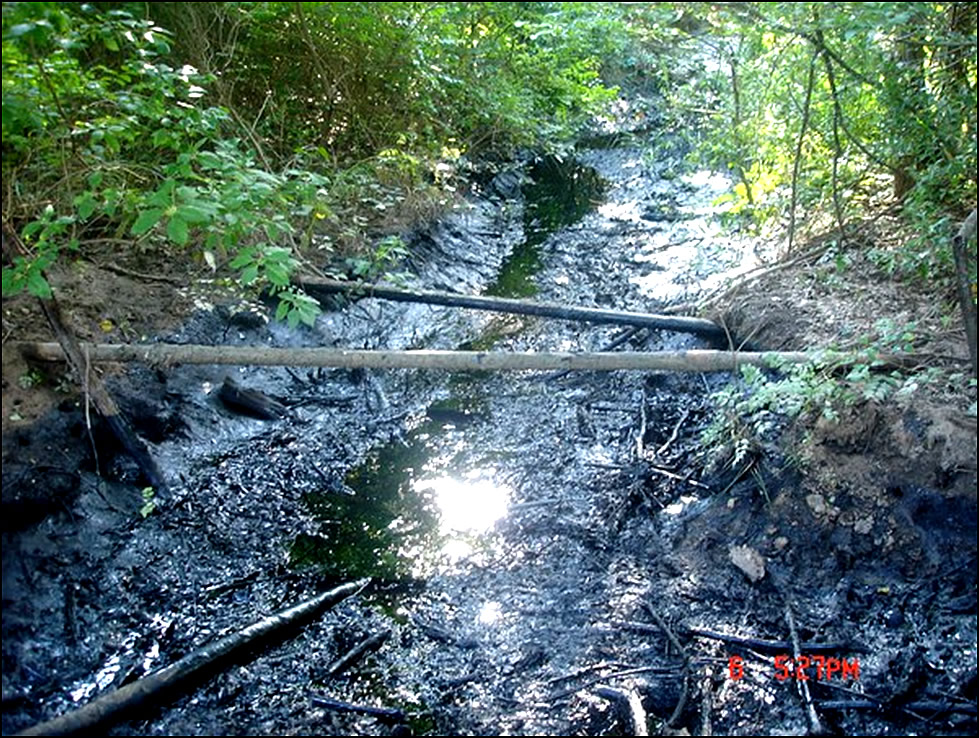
x: 215, y: 590
x: 636, y: 627
x: 815, y: 728
x: 672, y: 475
x: 760, y: 480
x: 321, y: 474
x: 141, y: 275
x: 354, y: 654
x: 441, y: 635
x: 609, y: 677
x: 837, y: 144
x: 71, y: 615
x: 88, y: 412
x: 676, y: 431
x: 582, y: 671
x: 929, y: 706
x: 671, y: 637
x: 706, y: 705
x: 740, y: 475
x: 382, y: 713
x: 797, y: 164
x: 642, y: 426
x: 296, y: 378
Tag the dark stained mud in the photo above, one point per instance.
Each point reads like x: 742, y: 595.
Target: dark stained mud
x: 530, y: 536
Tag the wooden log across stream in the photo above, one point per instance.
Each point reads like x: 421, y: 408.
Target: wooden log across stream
x: 697, y: 326
x: 674, y: 361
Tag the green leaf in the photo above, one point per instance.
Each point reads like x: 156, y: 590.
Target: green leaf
x: 38, y: 286
x: 86, y: 205
x: 177, y: 230
x: 164, y: 194
x: 282, y: 310
x: 192, y: 214
x: 278, y: 255
x: 249, y: 274
x: 277, y: 274
x: 31, y: 228
x: 12, y: 282
x: 244, y: 258
x: 146, y: 220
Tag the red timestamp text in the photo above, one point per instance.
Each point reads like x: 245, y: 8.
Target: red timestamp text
x: 803, y: 669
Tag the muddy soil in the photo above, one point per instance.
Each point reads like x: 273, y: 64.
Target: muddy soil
x: 531, y: 538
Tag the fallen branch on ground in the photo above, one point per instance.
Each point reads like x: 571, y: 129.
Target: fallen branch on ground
x: 801, y: 685
x: 697, y: 326
x: 675, y: 642
x: 932, y: 708
x: 250, y: 401
x: 367, y: 645
x: 181, y: 673
x: 159, y: 354
x: 388, y: 714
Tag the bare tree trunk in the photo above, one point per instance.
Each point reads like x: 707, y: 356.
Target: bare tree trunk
x: 965, y: 283
x: 478, y: 361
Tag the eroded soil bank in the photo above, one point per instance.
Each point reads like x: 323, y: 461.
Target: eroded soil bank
x: 530, y: 537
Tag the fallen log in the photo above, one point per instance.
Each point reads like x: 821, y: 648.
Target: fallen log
x: 181, y: 673
x: 697, y: 326
x: 250, y: 402
x: 159, y: 354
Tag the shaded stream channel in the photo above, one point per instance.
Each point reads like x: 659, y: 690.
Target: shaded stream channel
x: 511, y: 522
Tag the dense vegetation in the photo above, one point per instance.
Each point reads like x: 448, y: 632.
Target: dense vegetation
x: 822, y: 108
x: 257, y: 135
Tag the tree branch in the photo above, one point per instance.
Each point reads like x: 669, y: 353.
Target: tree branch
x: 798, y: 148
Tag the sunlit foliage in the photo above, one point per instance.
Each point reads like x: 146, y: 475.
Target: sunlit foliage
x: 243, y: 130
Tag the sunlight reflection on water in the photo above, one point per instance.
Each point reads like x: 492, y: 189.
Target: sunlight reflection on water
x: 471, y: 504
x: 490, y: 613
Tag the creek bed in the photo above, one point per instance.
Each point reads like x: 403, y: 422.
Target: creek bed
x: 515, y: 524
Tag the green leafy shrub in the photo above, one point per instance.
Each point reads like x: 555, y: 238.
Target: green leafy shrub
x: 816, y: 109
x: 254, y: 135
x: 104, y: 139
x: 754, y: 409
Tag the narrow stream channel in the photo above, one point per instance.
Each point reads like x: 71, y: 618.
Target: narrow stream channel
x: 497, y: 513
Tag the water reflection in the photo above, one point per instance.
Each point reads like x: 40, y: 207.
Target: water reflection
x: 691, y: 252
x: 559, y: 193
x: 416, y: 507
x: 473, y: 503
x: 490, y: 613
